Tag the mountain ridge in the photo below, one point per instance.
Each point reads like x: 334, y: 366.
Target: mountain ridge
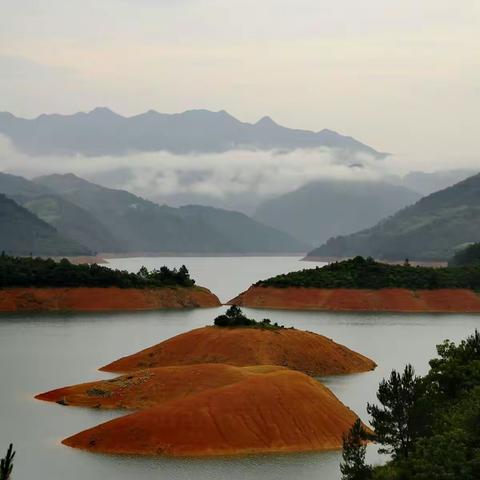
x: 323, y: 209
x: 140, y: 225
x: 23, y: 233
x: 102, y: 131
x: 432, y: 229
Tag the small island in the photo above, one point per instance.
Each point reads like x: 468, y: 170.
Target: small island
x: 362, y: 284
x: 148, y: 388
x: 37, y: 284
x: 240, y: 345
x: 237, y: 387
x: 279, y: 412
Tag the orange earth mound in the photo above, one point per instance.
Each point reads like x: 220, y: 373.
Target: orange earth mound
x: 147, y: 388
x: 342, y: 299
x: 83, y: 299
x: 284, y: 411
x: 304, y: 351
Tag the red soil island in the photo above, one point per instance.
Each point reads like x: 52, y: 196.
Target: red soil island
x: 86, y: 299
x: 343, y: 299
x: 284, y: 411
x: 304, y: 351
x: 148, y: 388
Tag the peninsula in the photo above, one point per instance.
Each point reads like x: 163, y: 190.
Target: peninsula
x: 36, y: 284
x: 363, y: 284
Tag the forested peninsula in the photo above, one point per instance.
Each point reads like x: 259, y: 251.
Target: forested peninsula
x: 37, y: 284
x: 362, y: 284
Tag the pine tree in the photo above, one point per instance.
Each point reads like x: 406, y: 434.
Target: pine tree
x: 353, y: 466
x: 395, y: 421
x: 6, y: 464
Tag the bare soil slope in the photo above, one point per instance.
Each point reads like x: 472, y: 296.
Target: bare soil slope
x: 284, y: 411
x: 357, y: 300
x: 82, y: 299
x: 148, y: 388
x: 296, y: 349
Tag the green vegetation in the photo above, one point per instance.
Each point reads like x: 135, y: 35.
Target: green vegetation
x: 6, y: 464
x: 323, y: 209
x: 89, y: 218
x: 429, y: 425
x: 38, y: 272
x: 22, y: 233
x: 234, y: 317
x: 469, y: 256
x: 140, y: 225
x: 434, y: 228
x: 365, y: 273
x: 353, y: 466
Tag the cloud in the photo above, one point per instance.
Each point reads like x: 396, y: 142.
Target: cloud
x: 236, y: 179
x: 217, y: 175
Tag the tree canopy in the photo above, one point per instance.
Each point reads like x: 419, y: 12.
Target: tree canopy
x: 234, y: 317
x: 366, y: 273
x: 39, y: 272
x: 430, y: 425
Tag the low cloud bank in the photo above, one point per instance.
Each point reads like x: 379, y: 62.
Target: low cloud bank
x: 235, y: 179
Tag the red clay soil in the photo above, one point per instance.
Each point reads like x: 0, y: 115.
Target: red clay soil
x: 83, y: 299
x: 341, y: 299
x: 148, y: 388
x: 304, y: 351
x: 283, y: 411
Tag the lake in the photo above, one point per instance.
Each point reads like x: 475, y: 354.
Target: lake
x: 44, y: 351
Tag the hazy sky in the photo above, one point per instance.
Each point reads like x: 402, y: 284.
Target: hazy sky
x: 402, y: 76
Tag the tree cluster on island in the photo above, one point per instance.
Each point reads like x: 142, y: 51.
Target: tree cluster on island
x: 39, y: 272
x: 234, y: 317
x: 428, y: 425
x: 366, y: 273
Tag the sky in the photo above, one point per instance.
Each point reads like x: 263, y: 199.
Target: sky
x: 403, y: 77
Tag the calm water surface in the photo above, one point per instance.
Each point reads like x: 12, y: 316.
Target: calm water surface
x: 41, y: 352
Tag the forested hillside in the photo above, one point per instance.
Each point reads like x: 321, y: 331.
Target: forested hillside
x: 23, y: 233
x: 435, y: 228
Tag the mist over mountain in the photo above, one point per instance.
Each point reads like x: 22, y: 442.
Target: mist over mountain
x: 430, y: 182
x: 104, y: 132
x: 324, y: 209
x: 434, y: 228
x: 139, y: 225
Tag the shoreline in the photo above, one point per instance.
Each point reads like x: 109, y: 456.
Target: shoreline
x: 103, y: 299
x: 388, y: 300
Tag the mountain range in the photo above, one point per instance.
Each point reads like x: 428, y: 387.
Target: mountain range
x: 104, y: 132
x: 434, y: 228
x: 116, y: 221
x: 328, y: 208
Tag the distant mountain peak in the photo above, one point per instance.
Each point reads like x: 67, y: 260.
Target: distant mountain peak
x: 66, y: 180
x: 327, y: 131
x: 103, y: 112
x: 266, y: 121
